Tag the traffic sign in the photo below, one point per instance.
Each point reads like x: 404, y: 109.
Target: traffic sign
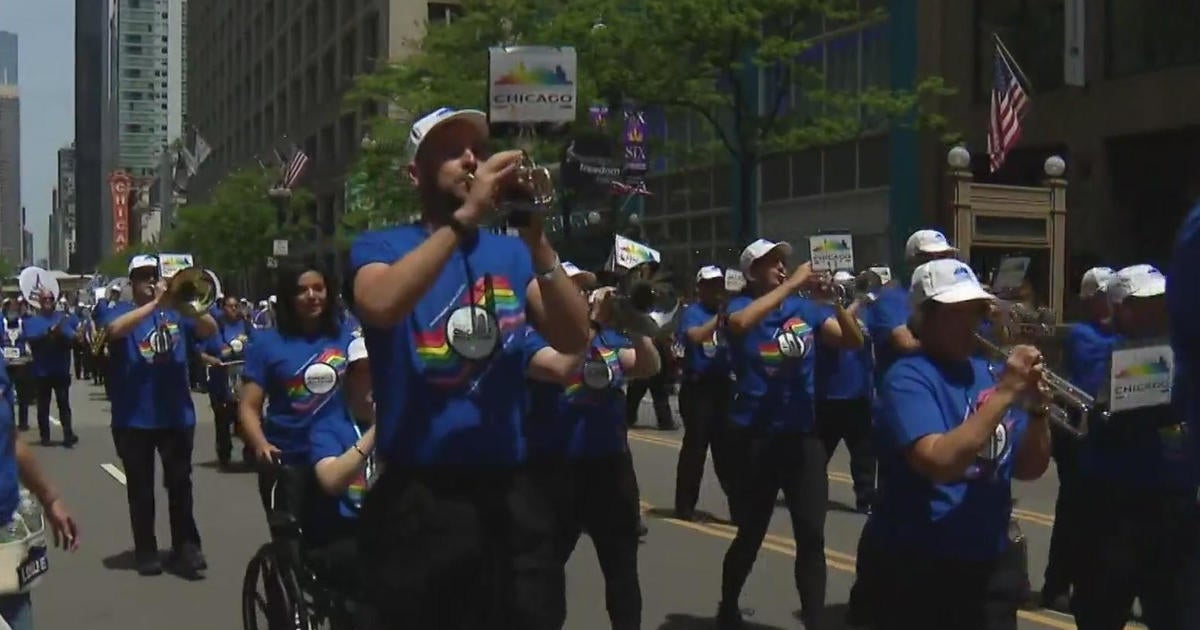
x: 279, y: 247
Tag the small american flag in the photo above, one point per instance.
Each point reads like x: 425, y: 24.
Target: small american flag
x: 1010, y: 103
x: 294, y: 169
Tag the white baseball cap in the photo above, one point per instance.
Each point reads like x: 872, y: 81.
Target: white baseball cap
x: 142, y: 261
x: 1139, y: 281
x: 709, y: 272
x: 947, y: 281
x: 357, y: 349
x: 272, y: 299
x: 427, y: 123
x: 1095, y: 280
x: 843, y: 276
x: 761, y: 248
x: 927, y: 242
x: 574, y: 272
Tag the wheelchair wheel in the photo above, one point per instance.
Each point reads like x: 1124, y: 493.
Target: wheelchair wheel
x: 271, y: 595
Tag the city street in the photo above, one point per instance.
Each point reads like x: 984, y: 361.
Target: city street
x: 680, y: 562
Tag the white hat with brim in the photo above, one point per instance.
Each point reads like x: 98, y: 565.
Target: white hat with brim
x: 1095, y: 280
x: 927, y: 242
x: 425, y: 125
x: 1136, y: 281
x: 946, y: 281
x: 142, y: 261
x: 580, y: 276
x: 357, y: 350
x: 761, y: 248
x: 710, y: 272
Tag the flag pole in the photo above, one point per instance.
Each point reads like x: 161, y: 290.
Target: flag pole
x: 1012, y: 62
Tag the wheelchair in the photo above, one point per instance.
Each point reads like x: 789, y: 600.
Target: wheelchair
x: 281, y: 591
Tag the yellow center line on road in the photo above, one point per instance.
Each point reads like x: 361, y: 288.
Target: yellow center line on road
x: 642, y: 435
x: 839, y: 561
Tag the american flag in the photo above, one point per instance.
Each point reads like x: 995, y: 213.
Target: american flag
x: 1010, y: 103
x: 294, y: 168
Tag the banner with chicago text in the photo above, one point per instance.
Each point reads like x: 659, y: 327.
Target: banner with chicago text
x: 832, y: 252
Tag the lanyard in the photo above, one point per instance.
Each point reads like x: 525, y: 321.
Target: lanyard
x: 369, y: 471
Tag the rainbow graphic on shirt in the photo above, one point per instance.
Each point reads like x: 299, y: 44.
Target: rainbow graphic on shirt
x: 144, y: 347
x: 1153, y: 368
x: 357, y: 490
x: 439, y: 362
x: 304, y: 401
x: 524, y: 75
x: 577, y: 392
x: 769, y: 352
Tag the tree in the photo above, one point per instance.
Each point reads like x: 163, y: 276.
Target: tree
x: 707, y: 59
x: 116, y: 265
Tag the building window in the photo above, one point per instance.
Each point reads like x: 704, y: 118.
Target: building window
x: 1032, y: 30
x: 1145, y: 35
x: 443, y: 12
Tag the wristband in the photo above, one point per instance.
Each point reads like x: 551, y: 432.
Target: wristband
x: 359, y: 450
x: 549, y: 273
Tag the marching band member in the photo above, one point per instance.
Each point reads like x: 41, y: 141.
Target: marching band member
x: 579, y: 449
x: 229, y: 344
x: 705, y: 392
x: 1138, y: 483
x: 152, y: 411
x: 1183, y: 303
x: 1087, y: 347
x: 454, y: 534
x: 16, y: 354
x: 81, y: 348
x: 659, y: 385
x: 844, y: 392
x: 298, y: 368
x: 771, y: 334
x: 952, y: 438
x: 50, y: 335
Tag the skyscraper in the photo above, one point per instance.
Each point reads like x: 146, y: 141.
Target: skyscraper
x: 11, y: 239
x: 91, y: 96
x: 8, y: 58
x: 149, y: 55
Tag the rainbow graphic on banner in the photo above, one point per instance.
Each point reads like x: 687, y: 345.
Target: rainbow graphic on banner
x: 305, y: 402
x: 1153, y: 368
x: 524, y: 75
x: 439, y: 362
x: 833, y: 246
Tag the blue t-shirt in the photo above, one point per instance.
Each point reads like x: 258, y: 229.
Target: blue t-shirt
x: 148, y: 371
x: 843, y: 374
x: 10, y: 490
x: 449, y: 379
x: 229, y: 344
x: 1088, y: 347
x: 773, y: 363
x: 708, y: 357
x: 332, y: 435
x: 1183, y: 303
x: 1120, y: 452
x: 302, y: 378
x: 585, y: 418
x: 964, y: 520
x: 890, y: 311
x: 51, y: 357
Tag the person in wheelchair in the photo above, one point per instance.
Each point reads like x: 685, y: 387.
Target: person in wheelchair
x: 342, y: 452
x: 228, y: 345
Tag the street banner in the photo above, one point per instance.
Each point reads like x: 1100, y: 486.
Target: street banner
x: 635, y: 147
x: 832, y: 252
x: 171, y: 264
x: 119, y: 184
x: 528, y: 85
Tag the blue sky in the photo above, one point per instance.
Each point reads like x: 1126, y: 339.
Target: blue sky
x: 46, y: 32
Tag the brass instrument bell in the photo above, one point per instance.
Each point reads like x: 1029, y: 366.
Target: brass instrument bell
x: 532, y: 187
x: 191, y: 292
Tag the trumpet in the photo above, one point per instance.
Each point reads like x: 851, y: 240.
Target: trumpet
x: 865, y: 286
x: 532, y: 190
x: 646, y: 306
x: 191, y: 291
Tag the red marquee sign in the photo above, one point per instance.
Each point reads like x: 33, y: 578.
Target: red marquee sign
x: 119, y: 184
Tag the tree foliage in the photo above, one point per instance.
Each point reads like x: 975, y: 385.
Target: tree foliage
x: 117, y: 264
x: 698, y: 59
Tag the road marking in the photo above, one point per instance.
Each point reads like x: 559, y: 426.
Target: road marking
x: 55, y: 421
x: 642, y: 435
x: 114, y: 472
x: 843, y: 562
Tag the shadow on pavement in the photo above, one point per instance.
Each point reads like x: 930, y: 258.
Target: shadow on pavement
x: 684, y: 621
x: 700, y: 516
x: 834, y: 617
x: 125, y: 561
x: 235, y: 468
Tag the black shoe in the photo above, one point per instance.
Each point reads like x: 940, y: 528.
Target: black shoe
x: 642, y: 529
x: 685, y: 515
x: 23, y: 427
x: 149, y: 565
x: 189, y: 561
x: 70, y: 440
x: 1056, y: 601
x: 729, y: 617
x: 45, y: 440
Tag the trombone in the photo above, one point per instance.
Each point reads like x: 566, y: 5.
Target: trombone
x: 192, y: 291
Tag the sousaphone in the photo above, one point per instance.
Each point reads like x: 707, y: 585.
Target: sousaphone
x: 35, y: 281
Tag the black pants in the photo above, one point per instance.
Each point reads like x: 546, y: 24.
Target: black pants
x: 1063, y: 557
x: 100, y: 371
x: 1137, y: 544
x: 457, y: 549
x: 918, y: 591
x: 1189, y: 586
x: 850, y: 421
x: 136, y: 448
x: 26, y: 389
x: 598, y: 497
x: 60, y: 388
x: 766, y: 464
x: 659, y: 387
x: 224, y: 419
x: 81, y: 362
x: 704, y: 407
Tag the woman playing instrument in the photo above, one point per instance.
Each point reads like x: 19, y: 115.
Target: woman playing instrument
x: 579, y: 451
x: 298, y: 368
x: 951, y: 439
x: 227, y: 346
x: 771, y: 333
